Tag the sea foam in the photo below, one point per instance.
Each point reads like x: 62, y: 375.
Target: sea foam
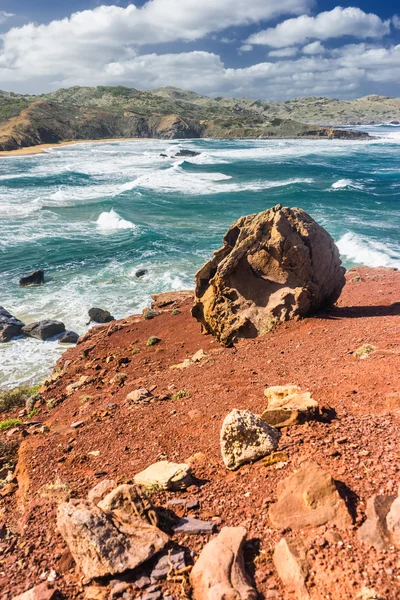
x: 112, y: 220
x: 365, y: 251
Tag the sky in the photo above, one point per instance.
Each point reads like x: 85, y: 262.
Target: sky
x: 266, y: 49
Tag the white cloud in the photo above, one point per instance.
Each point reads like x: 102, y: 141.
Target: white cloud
x: 284, y: 52
x: 336, y: 23
x: 246, y: 48
x: 4, y: 16
x: 314, y: 48
x: 396, y: 21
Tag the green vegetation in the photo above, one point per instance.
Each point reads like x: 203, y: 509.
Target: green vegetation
x: 153, y: 340
x: 180, y: 394
x: 9, y: 423
x: 17, y: 397
x: 176, y: 311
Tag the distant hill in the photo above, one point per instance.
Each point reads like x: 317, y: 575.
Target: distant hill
x: 169, y: 112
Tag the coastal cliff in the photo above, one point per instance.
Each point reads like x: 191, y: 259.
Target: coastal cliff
x: 101, y: 113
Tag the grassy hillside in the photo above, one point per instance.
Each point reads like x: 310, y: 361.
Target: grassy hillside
x: 169, y: 112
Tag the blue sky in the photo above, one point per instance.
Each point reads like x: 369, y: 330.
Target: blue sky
x: 257, y: 48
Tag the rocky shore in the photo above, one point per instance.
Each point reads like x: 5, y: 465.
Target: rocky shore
x: 259, y: 459
x: 118, y: 404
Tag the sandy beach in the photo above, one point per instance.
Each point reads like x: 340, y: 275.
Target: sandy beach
x: 40, y: 148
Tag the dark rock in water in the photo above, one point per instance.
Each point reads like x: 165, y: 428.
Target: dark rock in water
x: 35, y: 278
x: 69, y: 337
x: 183, y: 153
x: 9, y: 326
x: 164, y: 155
x: 43, y: 330
x: 99, y: 315
x: 141, y: 272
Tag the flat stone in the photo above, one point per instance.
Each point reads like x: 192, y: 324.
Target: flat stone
x: 291, y: 565
x: 165, y: 475
x: 139, y: 395
x: 194, y: 526
x: 39, y: 592
x: 174, y: 560
x: 142, y: 582
x: 374, y: 531
x: 309, y: 498
x: 219, y: 573
x: 245, y: 438
x: 76, y: 424
x: 106, y: 543
x: 393, y: 522
x: 288, y: 405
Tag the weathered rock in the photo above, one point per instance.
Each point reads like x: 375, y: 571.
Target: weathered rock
x: 374, y: 531
x: 98, y: 492
x: 34, y: 278
x: 138, y: 396
x: 141, y: 272
x: 393, y: 522
x: 309, y: 498
x: 40, y: 592
x: 69, y: 337
x: 10, y: 326
x: 76, y: 385
x: 99, y: 315
x: 165, y: 475
x: 192, y: 526
x: 364, y: 351
x: 288, y: 405
x: 174, y: 560
x: 185, y: 152
x: 291, y: 564
x: 219, y: 573
x: 150, y: 313
x: 128, y: 501
x: 273, y: 266
x: 197, y: 357
x: 43, y: 330
x: 245, y: 437
x: 106, y: 543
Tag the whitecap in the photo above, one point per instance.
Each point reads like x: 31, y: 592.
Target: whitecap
x: 369, y: 252
x: 112, y: 220
x: 346, y: 183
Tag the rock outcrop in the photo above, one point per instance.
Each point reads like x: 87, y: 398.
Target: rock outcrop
x: 309, y: 498
x: 274, y: 266
x: 99, y: 315
x: 220, y: 572
x: 245, y: 437
x: 43, y: 330
x: 9, y: 326
x: 35, y: 278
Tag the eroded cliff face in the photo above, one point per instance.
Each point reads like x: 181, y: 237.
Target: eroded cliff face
x: 273, y: 266
x: 47, y: 122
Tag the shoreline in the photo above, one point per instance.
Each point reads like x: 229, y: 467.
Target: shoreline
x: 40, y: 148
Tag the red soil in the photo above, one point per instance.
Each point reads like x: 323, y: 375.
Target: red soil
x: 360, y: 447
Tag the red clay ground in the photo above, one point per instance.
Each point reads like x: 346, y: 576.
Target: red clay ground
x: 360, y: 447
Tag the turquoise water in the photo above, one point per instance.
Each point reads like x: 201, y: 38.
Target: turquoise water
x: 92, y: 214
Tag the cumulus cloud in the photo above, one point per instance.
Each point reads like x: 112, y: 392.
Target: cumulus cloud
x: 246, y: 48
x: 396, y: 21
x: 284, y: 52
x: 335, y: 23
x: 314, y: 48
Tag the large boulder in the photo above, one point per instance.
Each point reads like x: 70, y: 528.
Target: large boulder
x: 219, y: 573
x: 99, y: 315
x: 34, y: 278
x: 273, y: 266
x: 166, y: 476
x: 245, y: 437
x: 43, y: 330
x: 9, y: 326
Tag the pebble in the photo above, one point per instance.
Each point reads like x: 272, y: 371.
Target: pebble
x: 76, y: 424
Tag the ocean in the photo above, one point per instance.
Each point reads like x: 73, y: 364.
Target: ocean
x: 92, y: 214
